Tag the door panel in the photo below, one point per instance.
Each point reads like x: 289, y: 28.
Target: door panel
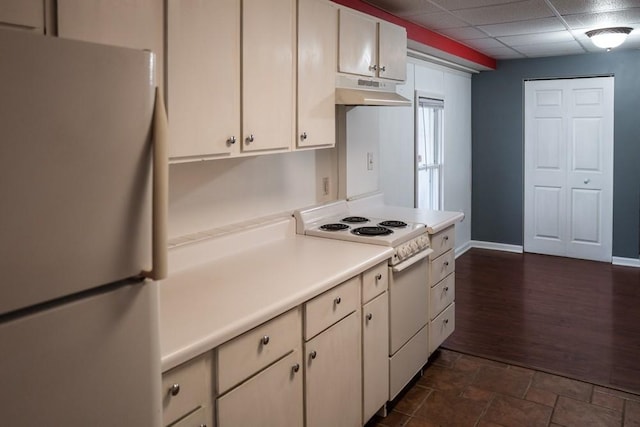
x: 569, y: 167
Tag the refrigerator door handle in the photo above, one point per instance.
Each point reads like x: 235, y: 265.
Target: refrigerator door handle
x: 160, y: 191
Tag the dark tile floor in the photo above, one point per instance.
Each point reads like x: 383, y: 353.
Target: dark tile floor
x: 462, y: 390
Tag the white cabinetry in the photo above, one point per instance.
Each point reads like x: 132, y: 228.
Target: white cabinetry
x: 22, y: 15
x: 375, y: 340
x: 222, y: 56
x: 317, y: 65
x: 136, y: 24
x: 203, y: 73
x: 371, y: 47
x: 442, y: 292
x: 186, y: 392
x: 333, y: 376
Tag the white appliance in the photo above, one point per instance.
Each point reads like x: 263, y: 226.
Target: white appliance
x: 78, y: 319
x: 408, y: 279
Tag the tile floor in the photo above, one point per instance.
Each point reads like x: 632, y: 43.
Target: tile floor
x: 462, y: 390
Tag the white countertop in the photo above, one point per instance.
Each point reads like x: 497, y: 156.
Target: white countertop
x: 204, y: 305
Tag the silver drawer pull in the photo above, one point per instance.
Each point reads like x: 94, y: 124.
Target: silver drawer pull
x: 313, y: 354
x: 174, y: 389
x: 231, y: 140
x: 446, y: 321
x: 250, y: 138
x: 369, y: 316
x: 295, y: 368
x: 378, y: 277
x: 445, y: 238
x: 446, y: 264
x: 304, y: 136
x: 446, y: 289
x: 265, y: 340
x: 338, y: 300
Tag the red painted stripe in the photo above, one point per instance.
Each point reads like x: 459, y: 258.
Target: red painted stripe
x: 422, y: 35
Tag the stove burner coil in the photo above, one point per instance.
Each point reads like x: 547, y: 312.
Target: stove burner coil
x: 371, y: 231
x: 334, y: 227
x: 393, y: 224
x: 355, y: 219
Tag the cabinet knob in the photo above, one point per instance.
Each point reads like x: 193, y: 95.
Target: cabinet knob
x: 446, y: 289
x: 303, y: 136
x: 445, y: 238
x: 378, y: 276
x: 586, y: 181
x: 369, y: 316
x: 295, y: 368
x: 231, y: 140
x: 265, y: 340
x: 250, y: 138
x: 446, y: 321
x: 383, y: 68
x: 338, y: 300
x: 174, y: 389
x: 373, y: 67
x: 446, y: 264
x: 313, y: 354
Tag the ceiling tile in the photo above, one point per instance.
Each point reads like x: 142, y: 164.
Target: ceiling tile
x: 405, y: 8
x: 437, y: 21
x: 572, y: 7
x: 463, y: 33
x: 550, y: 37
x: 465, y: 4
x: 604, y: 19
x: 551, y: 49
x: 520, y: 11
x: 502, y: 53
x: 523, y: 27
x: 485, y: 43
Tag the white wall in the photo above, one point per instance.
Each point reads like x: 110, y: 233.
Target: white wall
x: 209, y: 194
x: 397, y: 144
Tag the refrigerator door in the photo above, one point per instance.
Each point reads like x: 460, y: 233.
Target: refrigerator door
x: 75, y: 162
x: 92, y: 361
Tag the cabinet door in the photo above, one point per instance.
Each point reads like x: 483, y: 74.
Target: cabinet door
x: 197, y: 418
x: 135, y: 24
x: 357, y: 44
x: 317, y: 58
x: 273, y: 398
x: 392, y: 53
x: 22, y: 15
x: 268, y: 74
x: 203, y: 70
x: 333, y: 376
x: 375, y: 355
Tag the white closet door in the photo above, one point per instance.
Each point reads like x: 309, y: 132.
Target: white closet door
x: 569, y: 167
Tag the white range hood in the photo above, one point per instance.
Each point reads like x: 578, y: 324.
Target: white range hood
x: 353, y: 90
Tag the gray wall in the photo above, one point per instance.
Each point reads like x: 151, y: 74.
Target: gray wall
x: 498, y: 145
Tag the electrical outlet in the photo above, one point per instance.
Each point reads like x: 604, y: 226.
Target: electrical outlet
x: 370, y: 161
x: 325, y: 186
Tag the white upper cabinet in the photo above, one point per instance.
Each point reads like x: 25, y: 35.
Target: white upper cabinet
x: 317, y: 65
x: 392, y: 51
x: 268, y: 74
x: 22, y: 15
x: 371, y: 47
x: 203, y: 77
x: 135, y: 24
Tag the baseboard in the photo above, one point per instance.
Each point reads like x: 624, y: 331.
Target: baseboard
x: 462, y: 249
x: 495, y: 246
x: 626, y: 262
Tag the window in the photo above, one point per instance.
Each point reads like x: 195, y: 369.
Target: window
x: 429, y: 152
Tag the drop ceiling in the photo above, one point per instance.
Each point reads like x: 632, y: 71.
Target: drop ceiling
x: 505, y: 29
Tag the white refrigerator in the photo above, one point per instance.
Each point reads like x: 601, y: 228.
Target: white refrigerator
x: 79, y: 332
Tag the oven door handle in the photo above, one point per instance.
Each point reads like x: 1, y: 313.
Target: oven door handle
x: 409, y: 262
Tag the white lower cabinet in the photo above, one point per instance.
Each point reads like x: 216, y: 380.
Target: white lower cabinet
x: 333, y: 381
x: 186, y: 390
x: 375, y: 355
x: 272, y: 398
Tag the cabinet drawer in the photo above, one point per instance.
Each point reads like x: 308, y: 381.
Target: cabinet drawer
x: 442, y: 294
x: 245, y: 355
x: 333, y: 305
x: 272, y: 398
x: 374, y: 282
x: 196, y: 419
x: 442, y: 241
x: 25, y: 14
x: 442, y: 266
x: 408, y: 361
x: 441, y: 327
x: 184, y: 389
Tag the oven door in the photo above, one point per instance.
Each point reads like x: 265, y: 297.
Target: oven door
x: 408, y: 299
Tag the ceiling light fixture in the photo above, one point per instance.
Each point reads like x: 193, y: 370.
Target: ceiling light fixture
x: 608, y: 38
